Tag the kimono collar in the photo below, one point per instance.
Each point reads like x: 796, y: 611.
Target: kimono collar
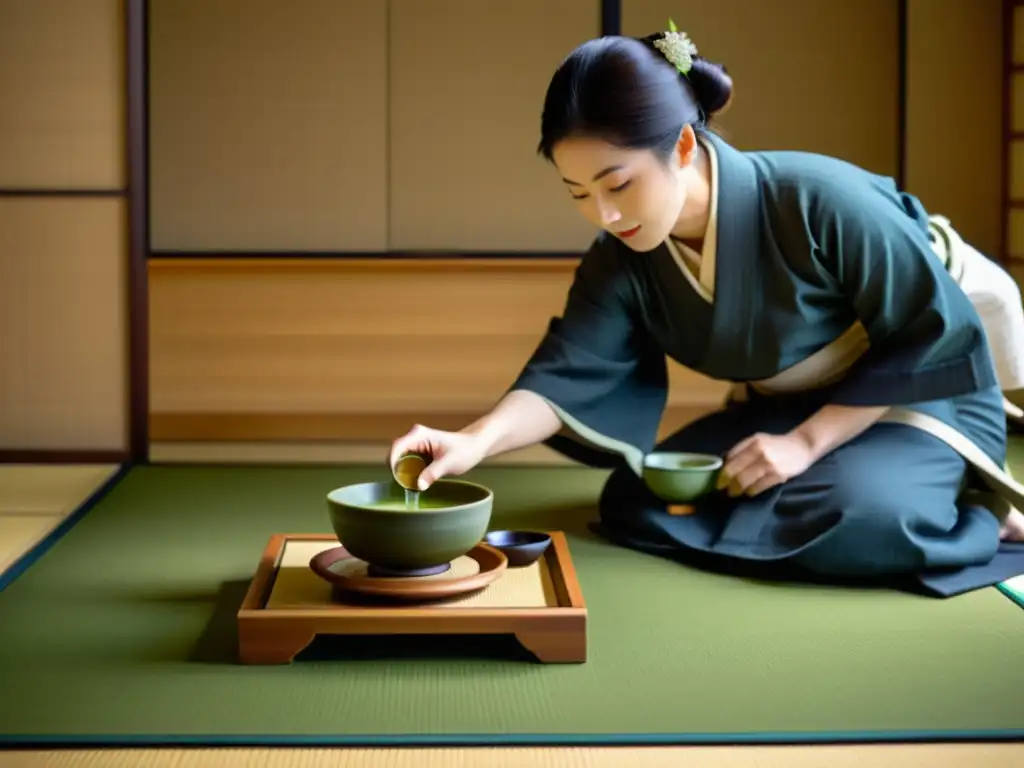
x: 704, y: 282
x: 734, y: 222
x: 738, y: 197
x: 738, y: 225
x: 739, y: 288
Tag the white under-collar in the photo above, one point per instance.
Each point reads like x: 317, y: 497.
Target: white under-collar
x: 705, y: 283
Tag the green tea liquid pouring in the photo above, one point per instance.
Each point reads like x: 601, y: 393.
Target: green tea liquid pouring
x: 406, y: 472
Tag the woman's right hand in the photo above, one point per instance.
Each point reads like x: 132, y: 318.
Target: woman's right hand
x: 453, y: 452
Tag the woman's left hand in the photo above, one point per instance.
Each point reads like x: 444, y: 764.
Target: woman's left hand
x: 763, y: 461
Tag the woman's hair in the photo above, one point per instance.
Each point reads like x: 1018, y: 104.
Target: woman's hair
x: 624, y: 91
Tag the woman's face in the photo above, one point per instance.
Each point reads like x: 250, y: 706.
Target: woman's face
x: 628, y: 192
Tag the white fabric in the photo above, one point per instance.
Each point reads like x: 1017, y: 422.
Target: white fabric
x: 996, y: 296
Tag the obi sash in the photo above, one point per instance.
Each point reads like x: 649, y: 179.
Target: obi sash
x: 1003, y: 318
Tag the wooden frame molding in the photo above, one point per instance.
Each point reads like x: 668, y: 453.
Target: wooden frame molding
x: 611, y: 17
x: 49, y: 192
x: 62, y: 456
x: 361, y: 263
x: 137, y: 77
x: 355, y: 427
x: 1010, y: 69
x: 903, y: 28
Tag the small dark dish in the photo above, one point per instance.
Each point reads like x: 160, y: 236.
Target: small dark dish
x: 520, y: 547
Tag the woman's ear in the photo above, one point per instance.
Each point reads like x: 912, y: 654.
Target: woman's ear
x: 686, y: 146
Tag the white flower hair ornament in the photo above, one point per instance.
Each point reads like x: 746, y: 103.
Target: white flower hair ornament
x: 677, y: 47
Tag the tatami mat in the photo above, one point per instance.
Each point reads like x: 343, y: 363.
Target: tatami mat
x: 58, y: 489
x: 882, y: 756
x: 36, y: 499
x: 19, y: 533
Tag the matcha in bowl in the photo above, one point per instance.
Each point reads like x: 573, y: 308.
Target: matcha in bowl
x: 401, y: 533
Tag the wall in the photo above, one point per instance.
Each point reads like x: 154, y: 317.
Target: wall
x: 263, y: 140
x: 825, y: 79
x: 63, y: 326
x: 955, y: 114
x: 431, y: 149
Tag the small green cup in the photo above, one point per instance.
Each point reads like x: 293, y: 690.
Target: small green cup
x: 679, y: 477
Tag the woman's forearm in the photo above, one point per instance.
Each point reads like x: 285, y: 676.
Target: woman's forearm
x: 520, y: 419
x: 834, y: 425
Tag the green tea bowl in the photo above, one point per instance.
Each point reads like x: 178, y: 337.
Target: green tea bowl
x: 374, y: 524
x: 680, y: 477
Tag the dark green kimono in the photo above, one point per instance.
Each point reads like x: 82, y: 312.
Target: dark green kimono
x: 804, y: 247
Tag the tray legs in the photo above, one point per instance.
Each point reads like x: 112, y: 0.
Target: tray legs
x: 277, y: 647
x: 554, y: 647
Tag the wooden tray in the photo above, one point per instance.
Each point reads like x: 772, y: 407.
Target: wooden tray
x: 287, y: 605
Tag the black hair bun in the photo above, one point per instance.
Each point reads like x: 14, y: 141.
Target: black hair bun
x: 711, y: 84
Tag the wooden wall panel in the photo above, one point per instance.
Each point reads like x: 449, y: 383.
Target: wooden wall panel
x: 268, y: 124
x: 62, y: 105
x: 323, y: 344
x: 955, y: 114
x: 1015, y: 235
x: 1016, y: 105
x: 1017, y: 49
x: 63, y: 300
x: 467, y: 83
x: 1016, y: 169
x: 810, y: 75
x: 63, y: 325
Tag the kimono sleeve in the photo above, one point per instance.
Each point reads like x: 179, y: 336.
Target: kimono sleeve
x: 927, y: 341
x: 598, y: 369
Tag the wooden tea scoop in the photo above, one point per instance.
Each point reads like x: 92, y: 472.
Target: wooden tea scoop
x: 407, y: 470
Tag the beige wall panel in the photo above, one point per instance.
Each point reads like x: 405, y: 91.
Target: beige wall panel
x: 467, y: 84
x: 349, y: 338
x: 1018, y: 35
x: 1016, y: 105
x: 268, y: 124
x: 63, y: 326
x: 61, y: 94
x: 1016, y: 169
x: 955, y: 114
x: 810, y: 75
x: 1015, y: 234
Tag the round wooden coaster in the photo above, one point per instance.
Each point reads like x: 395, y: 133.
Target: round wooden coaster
x: 475, y: 570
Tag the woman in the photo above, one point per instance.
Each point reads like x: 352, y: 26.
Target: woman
x: 866, y: 434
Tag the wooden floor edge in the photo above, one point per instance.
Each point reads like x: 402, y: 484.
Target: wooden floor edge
x: 924, y: 755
